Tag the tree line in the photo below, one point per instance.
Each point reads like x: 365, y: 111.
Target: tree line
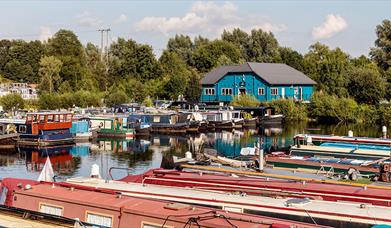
x: 72, y: 74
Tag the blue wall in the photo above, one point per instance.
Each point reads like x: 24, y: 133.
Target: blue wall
x: 251, y: 83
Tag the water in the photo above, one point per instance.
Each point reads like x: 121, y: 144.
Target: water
x: 141, y: 154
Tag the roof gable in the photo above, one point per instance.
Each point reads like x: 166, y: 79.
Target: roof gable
x: 272, y: 73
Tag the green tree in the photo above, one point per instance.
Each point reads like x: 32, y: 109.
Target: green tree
x: 135, y: 90
x: 263, y: 47
x: 96, y: 67
x: 12, y: 102
x: 49, y: 72
x: 193, y: 91
x: 49, y: 101
x: 328, y: 68
x: 21, y: 60
x: 291, y: 58
x: 182, y: 46
x: 206, y: 56
x: 366, y: 85
x: 66, y: 46
x: 382, y: 52
x: 240, y: 39
x: 118, y: 97
x: 131, y: 60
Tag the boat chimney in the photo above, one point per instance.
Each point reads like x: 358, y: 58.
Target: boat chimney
x: 95, y: 171
x: 189, y: 155
x: 384, y: 131
x: 350, y: 133
x: 260, y: 157
x: 309, y: 140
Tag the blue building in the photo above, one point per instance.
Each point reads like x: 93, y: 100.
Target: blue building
x: 266, y: 81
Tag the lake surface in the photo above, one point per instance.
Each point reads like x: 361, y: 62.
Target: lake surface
x: 144, y: 153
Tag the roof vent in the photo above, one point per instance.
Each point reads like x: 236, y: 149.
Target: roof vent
x: 297, y: 202
x: 176, y: 206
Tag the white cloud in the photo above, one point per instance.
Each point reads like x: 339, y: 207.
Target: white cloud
x: 45, y: 33
x: 122, y: 18
x: 331, y: 26
x: 85, y: 19
x: 207, y: 18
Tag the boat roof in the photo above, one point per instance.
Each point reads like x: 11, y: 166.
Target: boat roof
x: 48, y: 113
x: 150, y: 208
x: 323, y: 209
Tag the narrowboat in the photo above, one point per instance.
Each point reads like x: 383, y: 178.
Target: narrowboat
x: 257, y: 185
x: 317, y: 139
x: 168, y: 123
x: 277, y: 204
x: 325, y: 164
x: 110, y: 208
x: 340, y: 152
x: 81, y: 130
x: 139, y: 124
x: 269, y: 117
x: 115, y: 127
x: 221, y: 120
x: 46, y: 129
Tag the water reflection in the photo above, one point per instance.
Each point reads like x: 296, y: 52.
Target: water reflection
x: 144, y: 153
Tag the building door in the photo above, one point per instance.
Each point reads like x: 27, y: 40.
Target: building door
x: 242, y: 91
x: 282, y: 92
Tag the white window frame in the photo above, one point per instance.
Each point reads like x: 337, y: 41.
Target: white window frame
x: 209, y: 91
x: 51, y: 209
x: 275, y: 90
x: 24, y: 127
x: 97, y: 214
x: 226, y: 91
x: 261, y: 89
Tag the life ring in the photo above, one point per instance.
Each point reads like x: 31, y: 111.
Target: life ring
x: 101, y: 124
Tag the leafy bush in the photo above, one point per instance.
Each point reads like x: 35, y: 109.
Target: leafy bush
x: 118, y: 97
x: 12, y: 102
x: 49, y: 101
x: 290, y: 109
x: 245, y: 101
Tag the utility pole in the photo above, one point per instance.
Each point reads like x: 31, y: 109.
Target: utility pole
x: 102, y: 31
x: 104, y: 55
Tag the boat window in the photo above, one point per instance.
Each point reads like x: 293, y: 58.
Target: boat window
x: 22, y: 129
x: 50, y: 118
x: 61, y: 118
x: 1, y: 129
x: 99, y: 219
x: 42, y: 119
x: 51, y: 209
x: 35, y: 118
x: 156, y: 119
x: 56, y: 118
x: 153, y: 225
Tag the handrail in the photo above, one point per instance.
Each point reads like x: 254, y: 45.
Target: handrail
x: 119, y: 168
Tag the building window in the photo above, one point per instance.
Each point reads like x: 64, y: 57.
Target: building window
x: 50, y: 209
x: 99, y: 219
x: 226, y: 91
x: 274, y: 91
x: 261, y: 91
x: 209, y: 91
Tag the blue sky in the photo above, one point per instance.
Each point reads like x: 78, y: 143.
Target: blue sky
x: 349, y: 25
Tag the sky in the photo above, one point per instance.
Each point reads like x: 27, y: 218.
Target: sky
x: 349, y: 25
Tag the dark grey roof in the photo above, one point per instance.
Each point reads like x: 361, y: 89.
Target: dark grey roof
x: 272, y: 73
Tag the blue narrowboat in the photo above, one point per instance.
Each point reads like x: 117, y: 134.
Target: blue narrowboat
x: 46, y: 129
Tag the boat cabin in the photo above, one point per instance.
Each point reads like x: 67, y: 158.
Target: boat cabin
x: 46, y: 121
